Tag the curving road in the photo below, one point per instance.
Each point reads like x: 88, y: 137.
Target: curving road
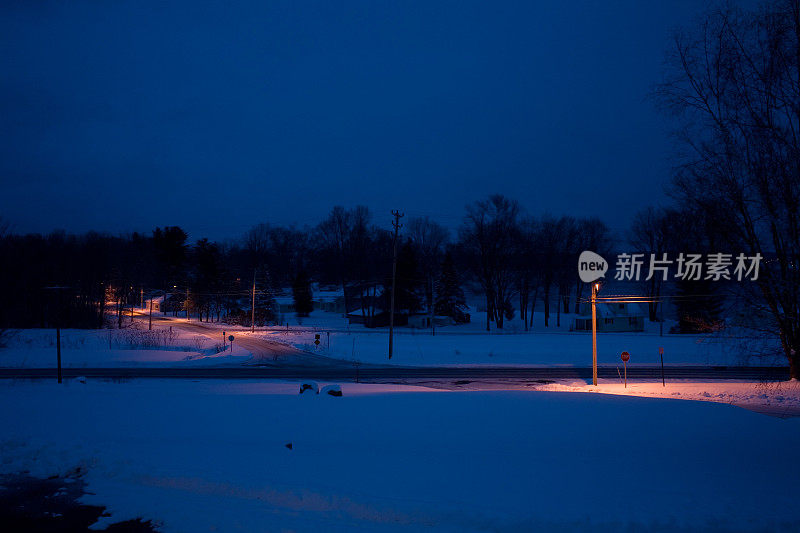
x: 265, y: 352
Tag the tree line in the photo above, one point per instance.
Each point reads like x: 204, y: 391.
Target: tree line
x: 730, y: 86
x: 516, y: 263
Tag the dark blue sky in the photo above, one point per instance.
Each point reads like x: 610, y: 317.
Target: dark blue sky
x: 126, y: 115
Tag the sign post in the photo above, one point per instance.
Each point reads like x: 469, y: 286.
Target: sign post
x: 316, y: 339
x: 230, y: 338
x: 661, y: 355
x: 625, y: 358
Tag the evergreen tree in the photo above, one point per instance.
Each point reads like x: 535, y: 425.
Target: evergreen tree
x: 450, y: 299
x: 409, y: 284
x: 301, y: 292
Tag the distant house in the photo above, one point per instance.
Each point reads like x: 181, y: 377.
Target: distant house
x: 423, y: 321
x: 285, y: 304
x: 379, y: 320
x: 619, y: 316
x: 175, y: 302
x: 155, y: 303
x: 329, y: 301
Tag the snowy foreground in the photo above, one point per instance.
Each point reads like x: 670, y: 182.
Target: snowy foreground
x: 211, y: 456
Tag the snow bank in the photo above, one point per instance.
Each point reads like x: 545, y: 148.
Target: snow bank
x: 213, y: 456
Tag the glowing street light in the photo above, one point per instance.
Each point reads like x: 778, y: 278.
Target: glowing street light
x: 595, y: 288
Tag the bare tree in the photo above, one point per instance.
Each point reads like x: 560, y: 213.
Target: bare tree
x: 488, y: 235
x: 552, y: 236
x: 430, y: 240
x: 528, y: 268
x: 734, y: 84
x: 566, y: 258
x: 593, y: 235
x: 653, y: 232
x: 346, y: 237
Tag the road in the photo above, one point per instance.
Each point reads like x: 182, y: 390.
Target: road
x: 343, y: 371
x: 276, y: 360
x: 265, y: 352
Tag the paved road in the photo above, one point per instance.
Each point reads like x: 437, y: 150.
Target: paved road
x: 265, y: 351
x: 350, y: 372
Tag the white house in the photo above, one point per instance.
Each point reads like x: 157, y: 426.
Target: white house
x: 611, y: 316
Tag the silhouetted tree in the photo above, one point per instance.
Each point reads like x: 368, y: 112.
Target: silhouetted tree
x: 301, y: 292
x: 450, y: 299
x: 487, y: 237
x: 410, y: 284
x: 732, y: 83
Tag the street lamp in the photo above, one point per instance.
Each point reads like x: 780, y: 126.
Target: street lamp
x: 595, y: 289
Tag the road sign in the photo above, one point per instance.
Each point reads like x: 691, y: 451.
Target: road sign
x: 316, y: 339
x: 625, y: 358
x: 230, y: 338
x: 661, y: 350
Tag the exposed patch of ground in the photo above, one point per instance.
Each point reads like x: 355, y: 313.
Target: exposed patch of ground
x: 33, y: 504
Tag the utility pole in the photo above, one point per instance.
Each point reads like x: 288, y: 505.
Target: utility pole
x: 397, y: 225
x: 150, y: 320
x: 433, y: 307
x: 58, y: 349
x: 595, y: 286
x: 57, y: 320
x: 253, y: 308
x: 187, y: 303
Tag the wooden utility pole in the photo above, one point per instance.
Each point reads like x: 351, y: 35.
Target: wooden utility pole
x: 57, y: 320
x: 58, y: 349
x: 397, y: 225
x: 595, y: 287
x: 253, y: 308
x: 150, y: 320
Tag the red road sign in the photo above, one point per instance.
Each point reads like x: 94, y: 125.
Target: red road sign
x: 625, y: 356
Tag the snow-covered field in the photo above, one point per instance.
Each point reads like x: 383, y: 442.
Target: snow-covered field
x: 464, y: 345
x: 36, y: 348
x: 470, y: 345
x: 211, y: 456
